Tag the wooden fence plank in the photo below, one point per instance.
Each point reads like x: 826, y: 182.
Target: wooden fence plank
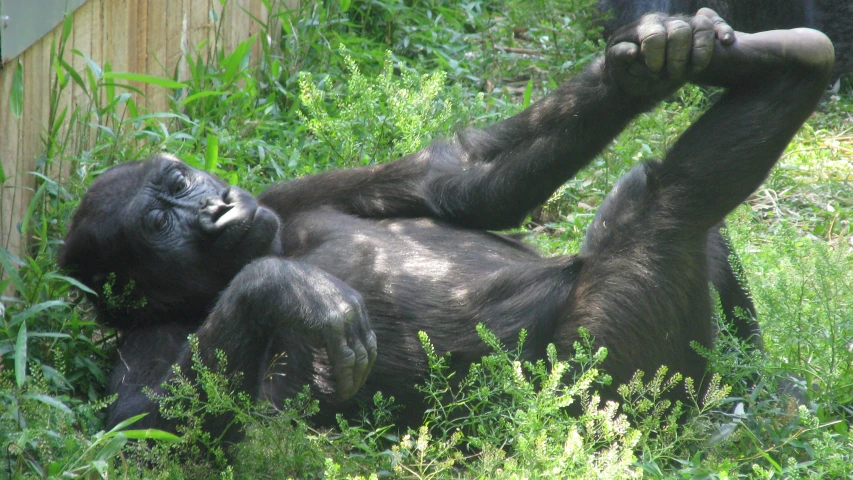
x: 10, y: 153
x: 155, y: 63
x: 176, y: 12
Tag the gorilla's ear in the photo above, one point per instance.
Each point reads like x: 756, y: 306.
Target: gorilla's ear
x: 73, y: 256
x: 87, y: 257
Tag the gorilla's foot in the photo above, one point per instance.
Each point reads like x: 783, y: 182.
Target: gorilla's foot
x: 755, y: 57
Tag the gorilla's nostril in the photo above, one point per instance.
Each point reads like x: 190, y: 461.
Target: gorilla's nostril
x: 230, y: 196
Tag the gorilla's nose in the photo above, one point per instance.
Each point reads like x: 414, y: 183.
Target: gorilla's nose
x: 217, y: 213
x: 212, y: 211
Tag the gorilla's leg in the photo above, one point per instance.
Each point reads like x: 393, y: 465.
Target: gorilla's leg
x: 727, y: 279
x: 642, y: 290
x: 773, y: 80
x: 643, y: 286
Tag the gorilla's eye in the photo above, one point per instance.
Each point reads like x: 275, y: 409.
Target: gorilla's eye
x: 157, y: 220
x: 178, y: 182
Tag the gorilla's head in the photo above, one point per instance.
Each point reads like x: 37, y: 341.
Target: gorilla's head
x: 160, y: 236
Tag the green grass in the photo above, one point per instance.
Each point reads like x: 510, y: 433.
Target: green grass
x: 358, y: 82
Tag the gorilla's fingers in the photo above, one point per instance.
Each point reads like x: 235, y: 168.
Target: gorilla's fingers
x: 704, y: 37
x: 343, y: 361
x: 351, y: 347
x: 361, y: 367
x: 622, y: 57
x: 366, y: 353
x: 678, y: 45
x: 724, y: 32
x: 622, y: 54
x: 367, y: 344
x: 371, y: 349
x: 652, y: 36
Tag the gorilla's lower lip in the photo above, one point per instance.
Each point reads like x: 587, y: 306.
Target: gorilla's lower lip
x: 237, y: 213
x: 236, y: 226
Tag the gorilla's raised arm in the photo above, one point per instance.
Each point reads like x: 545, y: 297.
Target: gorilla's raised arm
x: 491, y: 178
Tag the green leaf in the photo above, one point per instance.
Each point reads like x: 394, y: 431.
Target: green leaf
x: 111, y: 448
x: 67, y: 23
x: 101, y: 466
x: 97, y: 71
x: 116, y: 430
x: 211, y: 154
x: 21, y: 356
x: 196, y: 96
x: 345, y: 5
x: 39, y: 307
x: 74, y: 75
x: 48, y: 400
x: 34, y: 203
x: 233, y: 62
x: 552, y: 83
x: 47, y: 335
x: 58, y: 123
x: 110, y: 87
x: 131, y: 108
x: 528, y: 92
x: 72, y: 281
x: 16, y: 96
x: 10, y: 267
x: 151, y: 434
x: 149, y: 79
x: 110, y: 108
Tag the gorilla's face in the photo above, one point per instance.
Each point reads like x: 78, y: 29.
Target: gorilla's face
x: 180, y: 211
x: 177, y: 233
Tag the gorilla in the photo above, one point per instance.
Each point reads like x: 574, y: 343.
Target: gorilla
x: 830, y: 16
x: 326, y: 280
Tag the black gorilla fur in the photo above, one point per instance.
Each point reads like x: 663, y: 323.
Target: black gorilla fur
x: 340, y: 270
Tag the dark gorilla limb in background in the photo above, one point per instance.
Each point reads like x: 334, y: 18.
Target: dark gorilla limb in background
x: 832, y: 17
x: 326, y: 280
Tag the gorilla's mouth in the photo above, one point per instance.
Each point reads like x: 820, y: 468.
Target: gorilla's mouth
x: 235, y: 226
x: 239, y: 213
x: 228, y: 217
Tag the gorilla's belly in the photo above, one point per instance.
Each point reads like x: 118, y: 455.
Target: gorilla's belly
x: 407, y: 268
x: 420, y: 249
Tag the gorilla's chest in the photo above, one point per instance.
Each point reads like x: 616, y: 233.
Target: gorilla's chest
x: 400, y: 256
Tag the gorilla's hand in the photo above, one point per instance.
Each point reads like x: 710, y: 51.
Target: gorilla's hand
x: 276, y: 293
x: 656, y: 55
x: 345, y: 332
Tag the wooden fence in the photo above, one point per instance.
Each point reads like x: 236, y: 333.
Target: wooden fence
x: 138, y: 36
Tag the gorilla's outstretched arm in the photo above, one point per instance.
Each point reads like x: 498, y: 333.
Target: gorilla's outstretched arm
x: 491, y: 178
